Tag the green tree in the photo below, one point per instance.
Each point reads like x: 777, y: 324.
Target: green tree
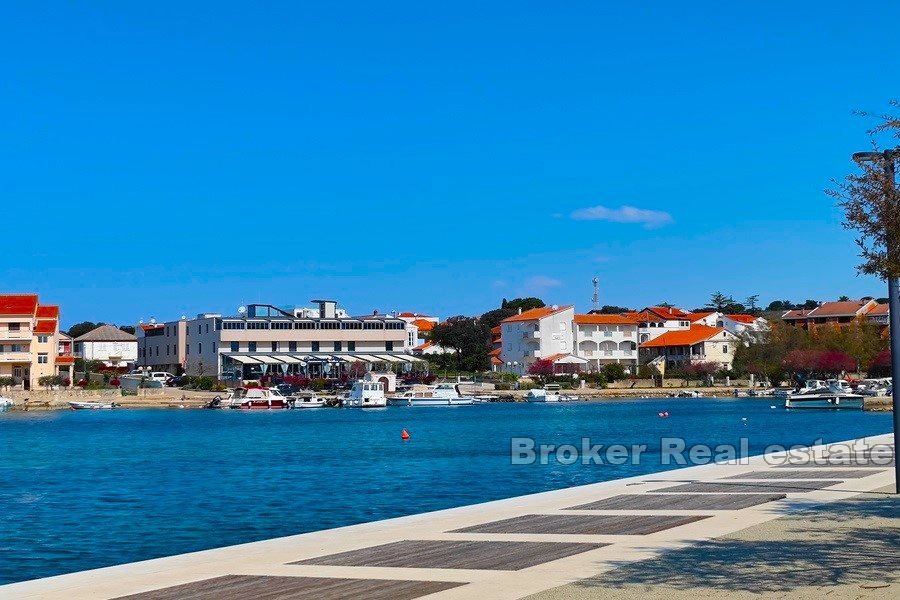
x: 469, y: 338
x: 492, y: 318
x: 525, y: 303
x: 608, y: 309
x: 751, y: 303
x: 82, y: 328
x: 719, y: 301
x: 127, y: 329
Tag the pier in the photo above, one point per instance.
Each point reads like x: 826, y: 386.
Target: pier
x: 504, y: 549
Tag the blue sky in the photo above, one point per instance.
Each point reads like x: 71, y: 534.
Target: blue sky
x: 184, y: 157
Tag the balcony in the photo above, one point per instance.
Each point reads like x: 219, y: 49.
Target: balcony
x: 531, y: 335
x: 24, y: 334
x: 15, y: 357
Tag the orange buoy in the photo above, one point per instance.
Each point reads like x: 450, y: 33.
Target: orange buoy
x: 404, y: 435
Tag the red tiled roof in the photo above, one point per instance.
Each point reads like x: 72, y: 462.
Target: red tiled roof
x: 666, y: 312
x: 797, y: 313
x: 18, y: 304
x: 47, y: 311
x: 423, y: 346
x: 535, y: 314
x: 65, y: 360
x: 880, y: 309
x: 839, y: 309
x: 595, y: 319
x: 496, y: 361
x: 423, y: 325
x: 45, y: 326
x: 745, y: 319
x: 495, y: 352
x: 146, y: 327
x: 694, y: 317
x: 686, y: 337
x: 495, y: 330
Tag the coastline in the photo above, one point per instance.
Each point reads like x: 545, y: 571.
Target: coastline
x: 591, y: 539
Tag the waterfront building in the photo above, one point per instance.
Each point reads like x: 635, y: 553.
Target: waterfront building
x: 29, y: 341
x: 746, y: 326
x: 109, y: 345
x: 880, y: 314
x: 535, y: 334
x: 603, y: 339
x: 265, y: 340
x: 835, y: 314
x: 697, y: 344
x: 417, y: 328
x: 654, y: 321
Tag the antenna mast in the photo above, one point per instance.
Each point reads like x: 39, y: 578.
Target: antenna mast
x: 595, y: 299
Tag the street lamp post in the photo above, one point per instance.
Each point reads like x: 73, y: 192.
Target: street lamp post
x: 887, y: 160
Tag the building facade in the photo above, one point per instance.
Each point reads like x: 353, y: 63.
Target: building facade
x: 109, y: 345
x: 697, y: 344
x: 605, y: 339
x: 535, y: 334
x: 265, y: 340
x: 29, y: 341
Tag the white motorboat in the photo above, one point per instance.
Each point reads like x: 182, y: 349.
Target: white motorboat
x: 5, y: 403
x: 251, y: 399
x: 835, y: 393
x: 307, y: 401
x: 549, y: 393
x: 366, y: 394
x: 442, y: 394
x: 92, y: 405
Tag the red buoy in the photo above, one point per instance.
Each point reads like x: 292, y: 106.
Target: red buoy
x: 404, y: 435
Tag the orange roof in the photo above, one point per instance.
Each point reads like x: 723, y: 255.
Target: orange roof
x: 423, y: 325
x: 47, y: 311
x: 147, y: 327
x: 65, y: 360
x: 797, y: 313
x: 495, y: 352
x: 45, y: 326
x: 745, y: 319
x: 535, y: 314
x: 496, y: 361
x: 686, y: 337
x: 423, y: 346
x: 18, y: 304
x: 880, y: 309
x: 666, y: 312
x: 839, y: 309
x: 495, y: 330
x: 694, y: 317
x: 595, y: 319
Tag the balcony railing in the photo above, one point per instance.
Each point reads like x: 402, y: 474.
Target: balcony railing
x: 24, y: 334
x: 8, y: 357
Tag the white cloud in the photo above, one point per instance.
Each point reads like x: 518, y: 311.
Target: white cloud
x: 541, y: 283
x: 650, y: 219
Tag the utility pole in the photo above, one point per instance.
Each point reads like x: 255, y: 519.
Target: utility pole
x: 887, y: 160
x: 595, y: 299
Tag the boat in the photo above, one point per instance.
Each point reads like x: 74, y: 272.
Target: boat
x: 442, y: 394
x: 549, y: 393
x: 251, y: 399
x: 310, y: 400
x: 835, y: 393
x: 366, y: 394
x: 89, y: 405
x: 5, y: 403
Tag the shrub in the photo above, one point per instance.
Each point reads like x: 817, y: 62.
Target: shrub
x: 49, y: 380
x: 6, y: 382
x: 613, y: 372
x: 115, y: 382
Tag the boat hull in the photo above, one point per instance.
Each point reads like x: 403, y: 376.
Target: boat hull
x: 92, y: 405
x: 261, y: 405
x: 831, y: 402
x: 462, y: 401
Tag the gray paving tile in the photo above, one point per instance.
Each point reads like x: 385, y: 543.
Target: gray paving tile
x: 679, y: 502
x: 435, y: 554
x: 756, y: 487
x: 584, y: 524
x: 804, y: 474
x: 234, y: 587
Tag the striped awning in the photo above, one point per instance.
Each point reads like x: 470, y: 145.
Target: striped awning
x: 245, y: 360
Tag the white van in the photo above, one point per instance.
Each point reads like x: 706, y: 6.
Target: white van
x: 160, y: 376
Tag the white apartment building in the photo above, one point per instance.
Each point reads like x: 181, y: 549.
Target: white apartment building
x: 741, y: 325
x: 698, y: 344
x: 605, y: 339
x: 654, y: 321
x: 539, y: 333
x: 266, y: 340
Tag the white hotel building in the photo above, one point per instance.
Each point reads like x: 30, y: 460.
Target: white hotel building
x: 267, y: 340
x: 605, y: 339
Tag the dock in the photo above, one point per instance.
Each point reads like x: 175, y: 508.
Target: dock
x: 506, y: 549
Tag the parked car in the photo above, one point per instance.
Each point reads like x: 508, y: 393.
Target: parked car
x: 177, y: 381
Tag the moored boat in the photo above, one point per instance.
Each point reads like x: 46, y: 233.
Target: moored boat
x: 5, y: 403
x: 307, y: 401
x: 88, y: 405
x: 251, y: 399
x: 549, y: 393
x: 366, y: 394
x: 834, y: 394
x: 442, y: 394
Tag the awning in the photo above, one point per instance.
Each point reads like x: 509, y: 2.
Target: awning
x: 245, y: 360
x: 369, y: 358
x: 351, y: 358
x: 266, y: 359
x: 291, y: 360
x: 393, y: 359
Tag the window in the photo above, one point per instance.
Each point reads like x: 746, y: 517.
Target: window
x: 274, y: 346
x: 389, y: 346
x: 251, y: 347
x: 282, y: 325
x: 725, y: 348
x: 167, y: 350
x: 351, y: 346
x: 337, y: 346
x: 329, y: 325
x: 235, y: 346
x: 199, y: 347
x: 315, y: 346
x: 42, y: 339
x: 257, y: 325
x: 292, y: 346
x: 43, y: 359
x: 15, y: 326
x: 233, y: 325
x: 304, y: 325
x: 207, y: 328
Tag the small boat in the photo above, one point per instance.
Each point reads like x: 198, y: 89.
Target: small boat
x: 5, y: 403
x: 251, y: 399
x: 307, y: 401
x: 366, y: 394
x: 835, y: 393
x: 549, y: 393
x: 92, y: 405
x: 442, y: 394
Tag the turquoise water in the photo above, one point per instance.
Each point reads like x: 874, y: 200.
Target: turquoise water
x: 86, y: 489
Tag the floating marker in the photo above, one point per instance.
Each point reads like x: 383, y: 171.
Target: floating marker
x: 404, y: 435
